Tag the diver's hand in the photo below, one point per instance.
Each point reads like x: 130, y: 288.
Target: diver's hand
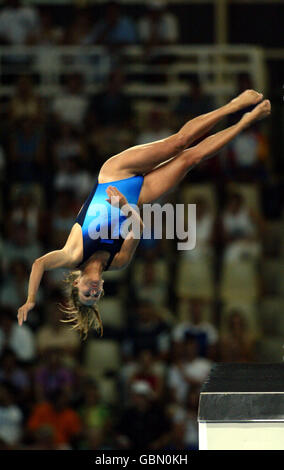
x: 114, y: 193
x: 23, y: 311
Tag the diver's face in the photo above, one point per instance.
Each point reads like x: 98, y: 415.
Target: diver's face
x: 89, y: 290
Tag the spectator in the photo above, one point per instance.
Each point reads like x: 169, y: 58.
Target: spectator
x: 17, y: 338
x: 144, y: 424
x: 204, y: 222
x: 237, y: 340
x: 187, y: 370
x: 158, y: 27
x: 56, y: 413
x: 14, y: 288
x: 150, y: 248
x: 74, y: 179
x: 27, y: 151
x: 112, y: 107
x: 205, y: 231
x: 241, y: 228
x: 48, y: 33
x: 53, y: 334
x: 106, y: 140
x: 195, y: 368
x: 244, y: 82
x: 150, y: 286
x: 25, y: 209
x: 18, y: 245
x: 14, y: 375
x: 68, y: 144
x: 237, y: 220
x: 62, y: 216
x: 272, y: 198
x: 177, y: 441
x: 17, y: 22
x: 11, y: 417
x: 79, y: 32
x: 148, y: 330
x: 25, y: 104
x: 195, y: 102
x: 47, y: 36
x: 114, y: 29
x: 155, y: 128
x: 147, y: 371
x: 195, y: 325
x: 43, y: 439
x: 185, y: 423
x: 52, y: 376
x: 71, y: 106
x: 177, y: 386
x: 94, y: 413
x: 248, y: 155
x: 95, y: 440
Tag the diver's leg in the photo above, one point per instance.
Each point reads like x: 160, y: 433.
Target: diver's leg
x: 167, y: 176
x: 143, y: 158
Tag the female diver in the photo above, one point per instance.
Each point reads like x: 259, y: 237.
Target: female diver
x: 138, y: 175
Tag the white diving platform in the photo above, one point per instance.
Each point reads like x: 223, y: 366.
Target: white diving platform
x: 241, y: 407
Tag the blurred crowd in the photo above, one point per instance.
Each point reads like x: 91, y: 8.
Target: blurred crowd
x: 170, y: 315
x: 22, y: 24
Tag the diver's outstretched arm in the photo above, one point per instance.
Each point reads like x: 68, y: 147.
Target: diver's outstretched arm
x: 52, y: 260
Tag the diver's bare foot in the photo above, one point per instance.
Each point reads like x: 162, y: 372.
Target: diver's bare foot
x: 247, y: 98
x: 261, y: 111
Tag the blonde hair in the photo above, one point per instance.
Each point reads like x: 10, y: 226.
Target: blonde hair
x: 83, y: 316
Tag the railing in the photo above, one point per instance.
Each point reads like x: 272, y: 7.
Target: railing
x: 216, y: 66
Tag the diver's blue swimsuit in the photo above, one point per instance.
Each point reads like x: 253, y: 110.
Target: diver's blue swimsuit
x: 93, y: 218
